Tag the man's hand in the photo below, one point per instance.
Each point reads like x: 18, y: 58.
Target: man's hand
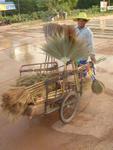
x: 93, y: 59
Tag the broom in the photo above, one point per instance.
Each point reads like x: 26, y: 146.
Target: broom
x: 96, y: 86
x: 64, y: 46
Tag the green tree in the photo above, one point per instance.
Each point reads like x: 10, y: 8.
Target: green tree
x: 28, y: 6
x: 87, y: 3
x: 25, y: 6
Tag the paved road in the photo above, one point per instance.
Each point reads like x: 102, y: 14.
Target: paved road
x: 93, y: 126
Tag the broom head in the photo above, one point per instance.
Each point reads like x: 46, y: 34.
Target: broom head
x: 64, y: 45
x: 97, y: 87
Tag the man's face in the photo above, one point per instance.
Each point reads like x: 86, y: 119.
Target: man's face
x: 81, y: 23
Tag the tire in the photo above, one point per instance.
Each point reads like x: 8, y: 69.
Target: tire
x: 69, y: 107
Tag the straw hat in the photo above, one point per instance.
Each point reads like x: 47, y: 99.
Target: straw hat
x: 81, y: 15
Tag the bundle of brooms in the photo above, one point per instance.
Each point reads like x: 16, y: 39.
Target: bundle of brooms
x: 97, y: 86
x: 27, y: 91
x: 16, y: 100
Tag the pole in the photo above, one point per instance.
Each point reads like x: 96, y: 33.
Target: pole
x: 19, y: 7
x: 108, y: 2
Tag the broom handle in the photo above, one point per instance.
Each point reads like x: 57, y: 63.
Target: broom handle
x: 36, y: 85
x: 97, y: 61
x: 100, y: 59
x: 75, y: 76
x: 88, y: 64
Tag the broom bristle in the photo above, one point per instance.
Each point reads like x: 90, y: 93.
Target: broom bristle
x: 9, y: 99
x: 64, y: 45
x: 28, y: 80
x: 52, y: 29
x: 15, y: 101
x: 97, y: 87
x: 12, y: 95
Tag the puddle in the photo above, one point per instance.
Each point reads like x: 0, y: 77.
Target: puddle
x: 27, y: 53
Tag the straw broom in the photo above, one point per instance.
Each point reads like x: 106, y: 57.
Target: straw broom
x: 63, y: 44
x: 96, y: 86
x: 15, y: 101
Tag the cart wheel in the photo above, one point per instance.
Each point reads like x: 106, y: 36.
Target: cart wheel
x: 69, y: 107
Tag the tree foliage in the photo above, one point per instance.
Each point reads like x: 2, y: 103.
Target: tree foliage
x: 28, y: 6
x: 87, y: 3
x: 25, y: 6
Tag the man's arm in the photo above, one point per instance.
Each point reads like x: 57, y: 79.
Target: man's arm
x: 91, y: 47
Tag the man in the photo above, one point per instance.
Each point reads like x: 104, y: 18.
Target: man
x: 83, y: 33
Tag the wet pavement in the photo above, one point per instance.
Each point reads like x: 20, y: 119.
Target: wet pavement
x: 92, y: 128
x: 24, y: 44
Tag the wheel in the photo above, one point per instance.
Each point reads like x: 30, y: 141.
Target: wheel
x: 69, y: 107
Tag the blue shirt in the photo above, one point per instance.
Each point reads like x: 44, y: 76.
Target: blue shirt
x: 85, y: 42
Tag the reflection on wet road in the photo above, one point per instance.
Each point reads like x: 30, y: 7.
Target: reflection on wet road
x: 28, y: 53
x: 23, y: 49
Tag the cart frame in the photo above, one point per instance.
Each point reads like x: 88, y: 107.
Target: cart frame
x: 66, y: 96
